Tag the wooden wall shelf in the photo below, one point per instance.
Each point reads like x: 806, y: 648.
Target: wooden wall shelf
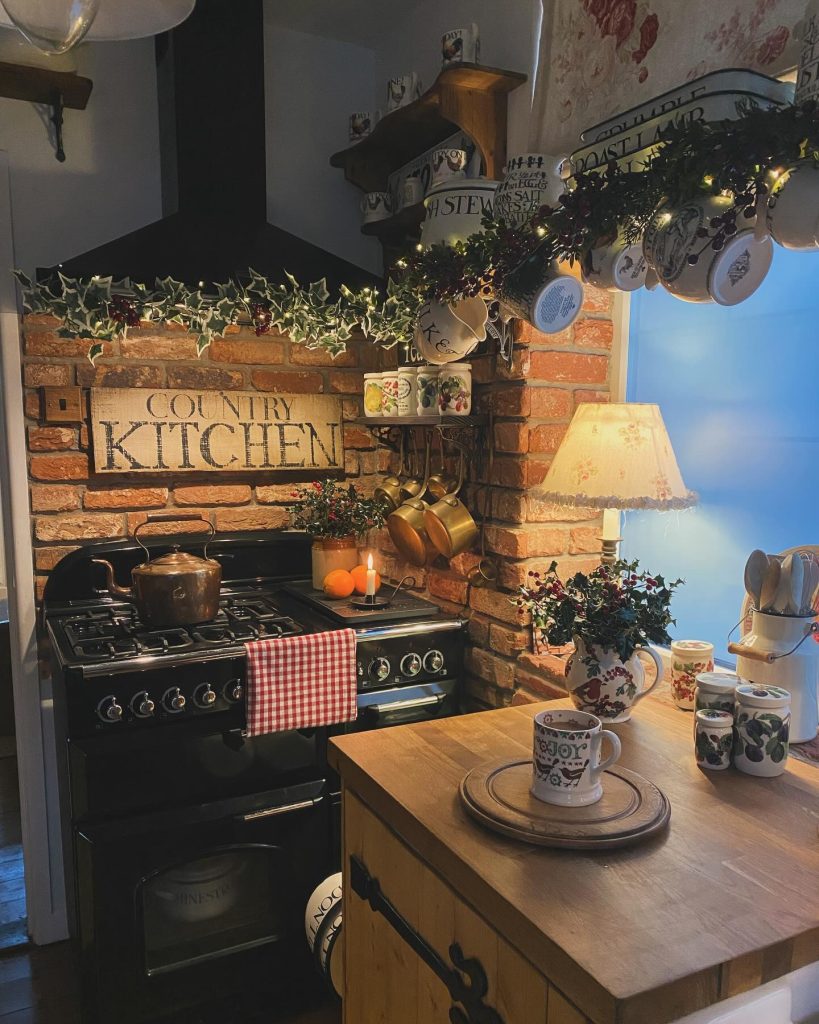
x: 478, y: 420
x: 468, y: 97
x: 406, y: 222
x: 39, y: 85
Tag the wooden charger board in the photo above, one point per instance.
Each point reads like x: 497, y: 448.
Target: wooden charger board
x: 631, y: 809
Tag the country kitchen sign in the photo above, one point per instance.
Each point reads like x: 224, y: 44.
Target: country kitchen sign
x: 141, y: 430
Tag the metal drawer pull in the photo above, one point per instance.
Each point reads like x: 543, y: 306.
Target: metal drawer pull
x: 470, y: 993
x: 407, y: 705
x: 270, y: 812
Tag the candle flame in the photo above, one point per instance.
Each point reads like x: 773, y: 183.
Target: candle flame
x: 369, y: 561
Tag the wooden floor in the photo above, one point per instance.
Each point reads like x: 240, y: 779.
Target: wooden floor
x: 12, y: 888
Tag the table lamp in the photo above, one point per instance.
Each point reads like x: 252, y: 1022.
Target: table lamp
x: 616, y: 456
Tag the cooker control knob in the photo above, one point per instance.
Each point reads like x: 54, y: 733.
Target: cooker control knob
x: 411, y: 664
x: 204, y: 695
x: 142, y: 705
x: 173, y: 700
x: 380, y: 669
x: 109, y: 710
x: 233, y: 690
x: 433, y: 661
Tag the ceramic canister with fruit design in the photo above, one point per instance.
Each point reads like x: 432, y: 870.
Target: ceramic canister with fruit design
x: 372, y: 394
x: 427, y: 389
x: 455, y: 389
x: 761, y: 729
x: 688, y: 659
x: 716, y: 691
x: 713, y: 738
x: 407, y: 390
x: 389, y: 393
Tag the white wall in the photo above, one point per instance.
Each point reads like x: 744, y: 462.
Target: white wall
x: 312, y: 84
x: 110, y: 182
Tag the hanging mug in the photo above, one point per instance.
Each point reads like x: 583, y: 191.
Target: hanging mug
x: 446, y: 332
x: 793, y: 208
x: 446, y: 164
x: 531, y: 180
x: 538, y: 293
x: 362, y: 123
x: 403, y: 90
x: 375, y: 206
x: 461, y: 46
x: 619, y: 266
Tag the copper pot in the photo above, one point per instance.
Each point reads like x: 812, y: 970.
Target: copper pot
x: 440, y: 483
x: 176, y: 589
x: 406, y: 524
x: 388, y: 491
x: 449, y: 523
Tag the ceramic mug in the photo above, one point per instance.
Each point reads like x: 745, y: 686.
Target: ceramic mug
x: 531, y: 180
x: 689, y: 658
x: 375, y: 206
x: 427, y: 390
x: 461, y: 46
x: 793, y: 208
x: 446, y: 332
x: 538, y: 293
x: 403, y: 90
x: 689, y: 267
x: 446, y: 164
x: 455, y: 389
x: 412, y: 191
x: 362, y: 123
x: 566, y: 764
x: 407, y: 390
x: 617, y: 267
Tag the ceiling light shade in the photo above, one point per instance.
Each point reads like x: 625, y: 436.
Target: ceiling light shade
x: 115, y: 19
x: 53, y: 26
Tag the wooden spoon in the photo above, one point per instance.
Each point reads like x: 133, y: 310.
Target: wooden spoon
x: 769, y: 584
x: 755, y: 569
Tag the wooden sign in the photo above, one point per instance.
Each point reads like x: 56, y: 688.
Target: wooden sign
x: 142, y: 430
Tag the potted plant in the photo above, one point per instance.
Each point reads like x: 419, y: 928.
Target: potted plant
x: 610, y: 615
x: 336, y: 518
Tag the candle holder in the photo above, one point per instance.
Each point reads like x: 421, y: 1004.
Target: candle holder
x: 372, y: 602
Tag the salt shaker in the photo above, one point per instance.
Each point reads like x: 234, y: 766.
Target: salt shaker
x: 717, y: 691
x: 762, y: 723
x: 714, y: 736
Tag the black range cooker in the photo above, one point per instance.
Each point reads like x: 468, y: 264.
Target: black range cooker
x: 190, y: 850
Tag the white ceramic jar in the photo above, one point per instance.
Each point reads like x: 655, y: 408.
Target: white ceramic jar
x: 372, y: 394
x: 531, y: 180
x: 427, y: 390
x: 716, y: 691
x: 713, y: 739
x: 455, y: 389
x: 762, y: 727
x: 455, y: 210
x: 389, y: 393
x: 407, y: 391
x: 689, y: 658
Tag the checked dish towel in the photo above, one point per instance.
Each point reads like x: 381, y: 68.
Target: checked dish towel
x: 297, y: 682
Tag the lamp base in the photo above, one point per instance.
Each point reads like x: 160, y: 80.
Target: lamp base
x: 610, y: 553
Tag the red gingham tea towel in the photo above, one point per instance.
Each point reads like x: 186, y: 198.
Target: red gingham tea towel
x: 296, y: 682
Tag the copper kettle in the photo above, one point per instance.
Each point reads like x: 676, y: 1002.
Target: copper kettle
x: 176, y: 589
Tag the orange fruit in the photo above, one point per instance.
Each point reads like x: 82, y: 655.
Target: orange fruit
x: 338, y: 583
x: 359, y: 575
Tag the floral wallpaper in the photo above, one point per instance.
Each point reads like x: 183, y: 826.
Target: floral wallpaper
x: 599, y: 57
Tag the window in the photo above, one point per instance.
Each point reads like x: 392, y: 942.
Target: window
x: 738, y: 391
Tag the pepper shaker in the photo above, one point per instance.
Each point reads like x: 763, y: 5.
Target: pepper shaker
x: 714, y: 736
x: 762, y: 724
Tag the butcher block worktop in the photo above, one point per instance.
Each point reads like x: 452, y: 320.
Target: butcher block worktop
x: 723, y: 901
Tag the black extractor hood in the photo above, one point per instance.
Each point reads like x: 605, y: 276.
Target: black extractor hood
x: 210, y: 73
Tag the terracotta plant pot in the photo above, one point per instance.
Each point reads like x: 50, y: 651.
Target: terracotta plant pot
x: 332, y: 553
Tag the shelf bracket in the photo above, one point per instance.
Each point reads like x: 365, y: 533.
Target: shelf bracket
x: 57, y: 120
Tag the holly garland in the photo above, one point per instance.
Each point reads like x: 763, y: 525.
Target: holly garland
x: 741, y: 158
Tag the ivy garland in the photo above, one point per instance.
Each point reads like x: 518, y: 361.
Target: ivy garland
x: 741, y: 158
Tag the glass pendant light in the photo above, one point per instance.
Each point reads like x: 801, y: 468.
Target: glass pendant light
x: 53, y: 26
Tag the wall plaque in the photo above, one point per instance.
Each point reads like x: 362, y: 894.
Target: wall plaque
x: 142, y: 430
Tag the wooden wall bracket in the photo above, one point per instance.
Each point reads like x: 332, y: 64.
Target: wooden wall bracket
x: 54, y: 89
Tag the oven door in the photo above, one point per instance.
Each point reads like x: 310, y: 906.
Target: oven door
x: 402, y: 704
x: 201, y: 906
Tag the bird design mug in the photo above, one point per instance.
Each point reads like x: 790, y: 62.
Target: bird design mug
x: 566, y: 766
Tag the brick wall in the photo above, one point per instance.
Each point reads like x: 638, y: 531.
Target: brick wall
x: 531, y: 403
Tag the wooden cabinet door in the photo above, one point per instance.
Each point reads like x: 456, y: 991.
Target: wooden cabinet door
x: 386, y: 981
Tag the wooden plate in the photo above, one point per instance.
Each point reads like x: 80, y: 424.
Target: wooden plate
x: 631, y: 809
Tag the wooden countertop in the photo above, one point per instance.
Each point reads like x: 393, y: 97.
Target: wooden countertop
x: 725, y: 900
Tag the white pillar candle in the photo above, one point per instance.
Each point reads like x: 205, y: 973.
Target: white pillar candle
x: 370, y: 592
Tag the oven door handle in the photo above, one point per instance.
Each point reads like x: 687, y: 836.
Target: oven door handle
x: 270, y: 812
x: 406, y: 705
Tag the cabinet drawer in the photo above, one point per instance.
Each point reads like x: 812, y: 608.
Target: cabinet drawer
x: 386, y: 980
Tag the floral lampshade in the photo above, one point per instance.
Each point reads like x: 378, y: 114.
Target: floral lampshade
x: 616, y: 456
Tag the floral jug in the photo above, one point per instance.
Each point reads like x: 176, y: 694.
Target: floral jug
x: 600, y: 683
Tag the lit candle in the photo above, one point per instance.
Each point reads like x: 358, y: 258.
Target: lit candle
x: 370, y: 592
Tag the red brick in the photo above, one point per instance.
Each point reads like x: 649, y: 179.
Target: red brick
x: 352, y: 464
x: 521, y: 698
x: 47, y: 343
x: 300, y: 355
x: 525, y: 542
x: 595, y: 300
x: 516, y: 574
x: 51, y: 439
x: 585, y: 540
x: 47, y: 558
x: 158, y: 346
x: 540, y: 511
x: 520, y: 368
x: 205, y: 377
x: 78, y: 527
x: 540, y: 689
x: 39, y: 587
x: 357, y: 437
x: 551, y: 666
x: 509, y: 472
x: 118, y: 376
x: 551, y: 404
x: 511, y: 437
x: 570, y: 367
x: 276, y: 494
x: 264, y: 350
x: 509, y: 506
x: 41, y: 320
x: 37, y: 375
x: 546, y: 437
x: 496, y: 604
x: 31, y: 405
x: 484, y: 369
x: 490, y: 668
x: 590, y: 333
x: 59, y: 467
x: 127, y: 497
x: 480, y: 695
x: 511, y: 401
x: 252, y: 518
x: 464, y: 564
x: 448, y: 587
x: 581, y: 396
x: 526, y: 334
x: 479, y: 630
x: 509, y: 642
x: 349, y: 382
x: 54, y: 498
x: 289, y: 382
x: 135, y: 519
x: 350, y: 408
x: 213, y: 494
x: 536, y: 470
